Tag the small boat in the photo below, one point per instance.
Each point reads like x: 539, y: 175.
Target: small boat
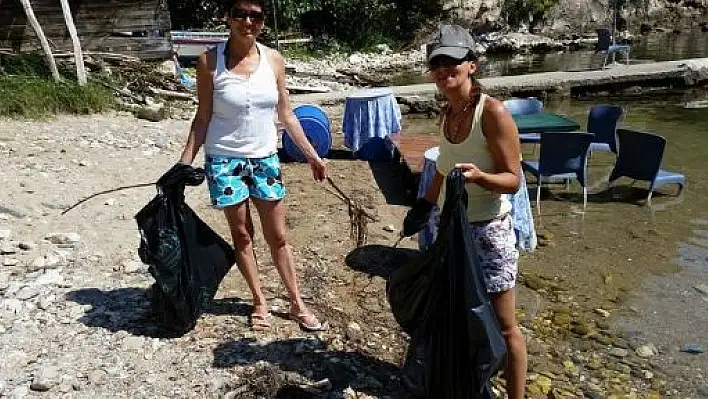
x: 190, y: 44
x: 697, y: 104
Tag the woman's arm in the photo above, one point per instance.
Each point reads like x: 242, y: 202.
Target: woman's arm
x: 205, y: 89
x: 287, y: 117
x: 503, y: 140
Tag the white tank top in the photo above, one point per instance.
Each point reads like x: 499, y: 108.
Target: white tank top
x: 243, y: 115
x: 482, y: 204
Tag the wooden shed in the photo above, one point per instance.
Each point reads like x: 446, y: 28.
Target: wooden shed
x: 139, y: 28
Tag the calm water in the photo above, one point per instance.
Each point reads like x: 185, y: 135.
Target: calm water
x: 654, y: 46
x: 686, y: 131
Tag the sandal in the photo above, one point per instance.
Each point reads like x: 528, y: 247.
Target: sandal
x: 260, y: 322
x: 308, y: 322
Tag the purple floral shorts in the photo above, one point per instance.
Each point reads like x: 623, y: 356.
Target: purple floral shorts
x: 495, y: 243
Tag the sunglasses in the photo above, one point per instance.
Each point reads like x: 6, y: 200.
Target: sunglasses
x: 255, y: 16
x: 444, y: 62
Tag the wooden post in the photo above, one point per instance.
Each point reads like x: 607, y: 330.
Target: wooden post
x: 78, y: 54
x: 42, y: 39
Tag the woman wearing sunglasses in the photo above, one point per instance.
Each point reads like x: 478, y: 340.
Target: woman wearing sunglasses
x: 241, y: 89
x: 479, y: 137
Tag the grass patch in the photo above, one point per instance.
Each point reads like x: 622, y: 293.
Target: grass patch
x: 28, y: 91
x: 37, y: 97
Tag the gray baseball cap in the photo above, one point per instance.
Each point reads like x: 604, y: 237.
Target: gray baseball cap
x: 451, y: 40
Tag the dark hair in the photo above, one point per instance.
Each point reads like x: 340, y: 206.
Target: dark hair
x: 231, y: 3
x: 471, y: 56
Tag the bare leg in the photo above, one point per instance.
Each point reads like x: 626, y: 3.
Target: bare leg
x: 272, y: 215
x: 241, y: 226
x: 504, y: 304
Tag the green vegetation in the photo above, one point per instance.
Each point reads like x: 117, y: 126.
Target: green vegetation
x: 27, y: 90
x: 337, y: 24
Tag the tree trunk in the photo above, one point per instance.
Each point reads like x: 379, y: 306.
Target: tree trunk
x: 42, y: 39
x: 78, y: 54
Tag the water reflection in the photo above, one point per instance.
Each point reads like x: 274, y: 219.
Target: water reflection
x: 654, y: 46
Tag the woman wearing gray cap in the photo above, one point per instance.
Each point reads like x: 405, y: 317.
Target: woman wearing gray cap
x: 479, y: 137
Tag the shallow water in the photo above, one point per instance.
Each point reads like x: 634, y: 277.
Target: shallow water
x: 655, y: 46
x: 638, y: 262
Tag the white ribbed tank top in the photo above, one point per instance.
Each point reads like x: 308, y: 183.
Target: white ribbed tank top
x: 243, y: 115
x: 482, y: 204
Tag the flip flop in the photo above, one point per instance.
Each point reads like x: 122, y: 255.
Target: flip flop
x: 260, y: 322
x: 308, y: 322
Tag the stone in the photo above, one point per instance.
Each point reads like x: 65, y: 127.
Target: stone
x: 49, y: 277
x: 133, y: 266
x: 63, y: 238
x: 5, y: 234
x: 7, y: 249
x: 692, y: 348
x: 97, y: 377
x: 45, y: 378
x: 619, y: 352
x: 702, y: 288
x: 10, y: 262
x: 353, y: 331
x: 26, y: 293
x: 646, y: 351
x: 25, y: 246
x: 389, y: 228
x: 540, y: 386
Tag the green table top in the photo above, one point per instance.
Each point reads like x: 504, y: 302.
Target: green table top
x: 544, y: 122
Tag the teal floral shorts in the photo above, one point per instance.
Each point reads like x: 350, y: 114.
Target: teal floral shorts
x: 233, y: 180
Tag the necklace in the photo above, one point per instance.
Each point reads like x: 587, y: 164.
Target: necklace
x: 454, y: 121
x: 453, y: 129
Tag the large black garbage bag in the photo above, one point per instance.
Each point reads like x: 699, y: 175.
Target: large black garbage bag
x: 185, y: 256
x: 441, y: 301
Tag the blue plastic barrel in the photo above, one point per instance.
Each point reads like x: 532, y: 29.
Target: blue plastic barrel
x: 315, y: 123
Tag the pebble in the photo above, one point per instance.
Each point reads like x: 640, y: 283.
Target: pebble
x: 353, y: 331
x: 619, y: 352
x: 646, y: 351
x: 702, y: 288
x: 5, y: 234
x: 10, y: 262
x: 7, y: 249
x: 63, y: 238
x: 389, y: 228
x: 133, y: 266
x: 97, y: 377
x: 45, y: 378
x: 692, y: 348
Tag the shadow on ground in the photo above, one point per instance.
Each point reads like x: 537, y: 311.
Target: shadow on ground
x: 123, y: 309
x: 380, y: 260
x: 310, y: 358
x: 129, y: 309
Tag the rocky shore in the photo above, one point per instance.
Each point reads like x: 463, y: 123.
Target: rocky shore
x: 74, y: 309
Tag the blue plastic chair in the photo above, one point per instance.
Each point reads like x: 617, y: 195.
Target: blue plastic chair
x: 640, y: 158
x: 602, y: 122
x: 563, y: 156
x: 605, y: 43
x: 525, y: 106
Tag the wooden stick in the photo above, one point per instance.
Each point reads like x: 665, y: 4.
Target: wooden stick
x: 42, y: 39
x: 106, y: 192
x: 78, y: 56
x: 172, y: 94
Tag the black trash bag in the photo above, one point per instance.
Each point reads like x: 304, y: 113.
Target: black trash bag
x: 185, y: 256
x: 442, y: 303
